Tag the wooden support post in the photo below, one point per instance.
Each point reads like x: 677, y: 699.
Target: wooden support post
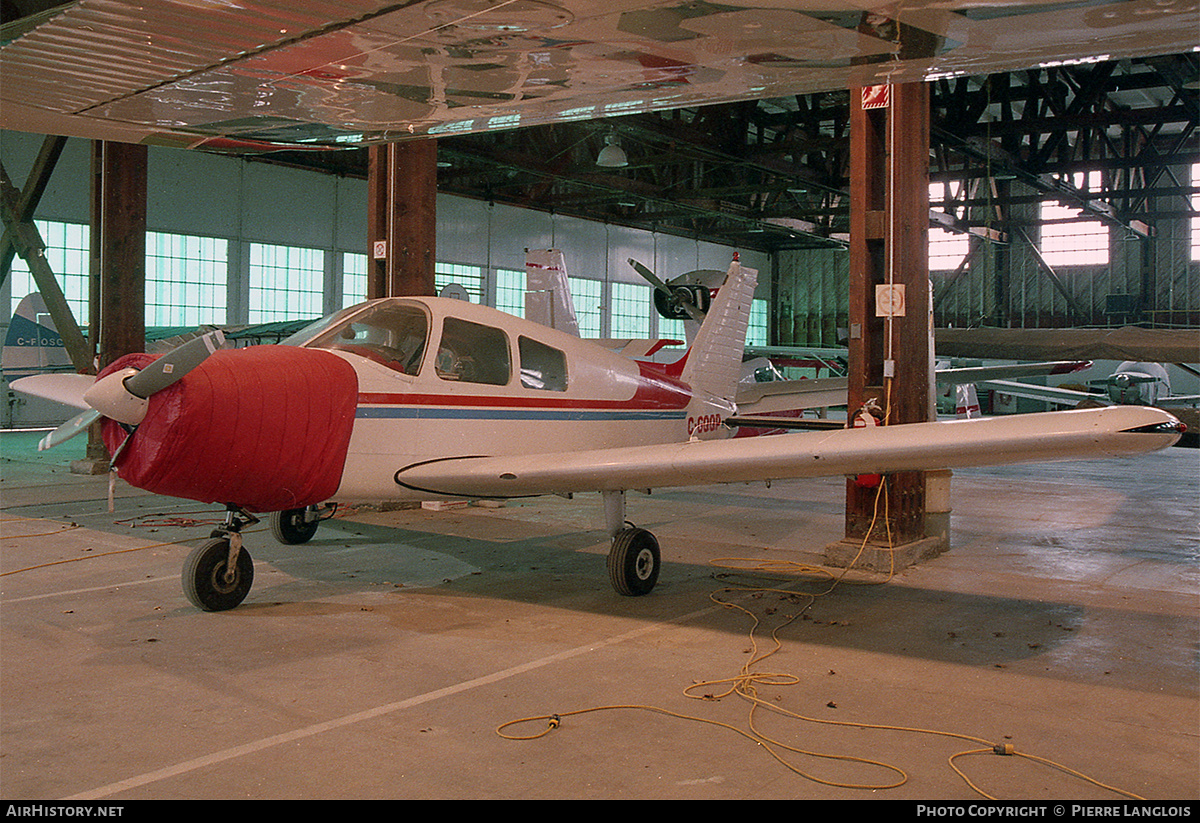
x: 118, y: 266
x: 118, y: 249
x: 402, y: 218
x: 890, y: 350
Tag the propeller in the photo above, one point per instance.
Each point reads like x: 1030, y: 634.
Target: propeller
x: 75, y: 426
x: 674, y: 300
x: 172, y: 366
x: 122, y: 395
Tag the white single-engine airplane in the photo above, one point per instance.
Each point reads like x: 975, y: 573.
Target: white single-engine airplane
x: 420, y: 398
x: 1133, y: 383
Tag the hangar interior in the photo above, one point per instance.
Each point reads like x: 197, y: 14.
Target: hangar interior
x: 386, y: 657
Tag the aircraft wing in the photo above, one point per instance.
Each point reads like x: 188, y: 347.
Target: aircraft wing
x: 792, y: 395
x: 976, y: 374
x: 310, y: 74
x: 1113, y: 431
x: 1051, y: 394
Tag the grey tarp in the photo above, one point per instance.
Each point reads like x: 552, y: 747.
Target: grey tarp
x: 1125, y: 343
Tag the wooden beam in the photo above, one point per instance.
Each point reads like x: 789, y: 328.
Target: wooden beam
x: 31, y: 195
x: 27, y: 242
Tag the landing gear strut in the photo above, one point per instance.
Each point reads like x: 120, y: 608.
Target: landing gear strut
x: 218, y: 574
x: 634, y: 559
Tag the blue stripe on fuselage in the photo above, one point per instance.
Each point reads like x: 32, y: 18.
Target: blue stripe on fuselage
x: 435, y: 413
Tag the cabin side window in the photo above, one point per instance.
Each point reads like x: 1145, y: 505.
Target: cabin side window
x: 473, y: 353
x: 542, y: 367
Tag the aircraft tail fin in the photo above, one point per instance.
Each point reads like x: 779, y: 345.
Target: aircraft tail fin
x: 966, y: 402
x: 714, y: 362
x: 33, y: 344
x: 547, y: 292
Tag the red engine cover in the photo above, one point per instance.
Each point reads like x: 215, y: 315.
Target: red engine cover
x: 265, y: 428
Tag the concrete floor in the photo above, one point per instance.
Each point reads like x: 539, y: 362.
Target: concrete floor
x: 380, y: 660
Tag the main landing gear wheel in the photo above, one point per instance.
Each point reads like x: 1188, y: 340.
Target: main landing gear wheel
x: 633, y: 562
x: 294, y: 526
x: 210, y: 582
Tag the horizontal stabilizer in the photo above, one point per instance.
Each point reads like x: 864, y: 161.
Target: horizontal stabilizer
x: 791, y: 395
x: 750, y: 421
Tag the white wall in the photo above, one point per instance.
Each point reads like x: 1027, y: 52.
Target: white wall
x: 243, y: 201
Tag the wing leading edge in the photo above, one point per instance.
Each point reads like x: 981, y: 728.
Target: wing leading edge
x: 1091, y: 433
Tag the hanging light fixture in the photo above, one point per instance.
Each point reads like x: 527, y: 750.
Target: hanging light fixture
x: 612, y: 156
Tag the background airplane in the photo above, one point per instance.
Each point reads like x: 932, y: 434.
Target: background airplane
x: 766, y: 390
x: 1131, y: 383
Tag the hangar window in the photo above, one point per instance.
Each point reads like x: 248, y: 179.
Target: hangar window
x: 586, y: 295
x: 473, y: 353
x: 758, y: 332
x: 286, y: 282
x: 510, y: 291
x: 469, y: 277
x: 354, y: 278
x: 1068, y: 239
x: 669, y: 329
x: 760, y: 324
x: 187, y: 279
x: 67, y: 252
x: 542, y: 367
x: 631, y: 310
x: 1196, y: 207
x: 947, y: 249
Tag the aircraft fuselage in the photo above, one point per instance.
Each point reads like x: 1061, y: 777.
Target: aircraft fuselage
x: 488, y: 383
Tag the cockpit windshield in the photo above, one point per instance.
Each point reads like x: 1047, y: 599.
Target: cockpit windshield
x: 392, y: 334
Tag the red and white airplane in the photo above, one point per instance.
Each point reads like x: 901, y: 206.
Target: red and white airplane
x: 420, y: 398
x: 409, y: 398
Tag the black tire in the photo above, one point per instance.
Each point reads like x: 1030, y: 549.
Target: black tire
x: 634, y: 562
x: 291, y: 527
x: 204, y: 580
